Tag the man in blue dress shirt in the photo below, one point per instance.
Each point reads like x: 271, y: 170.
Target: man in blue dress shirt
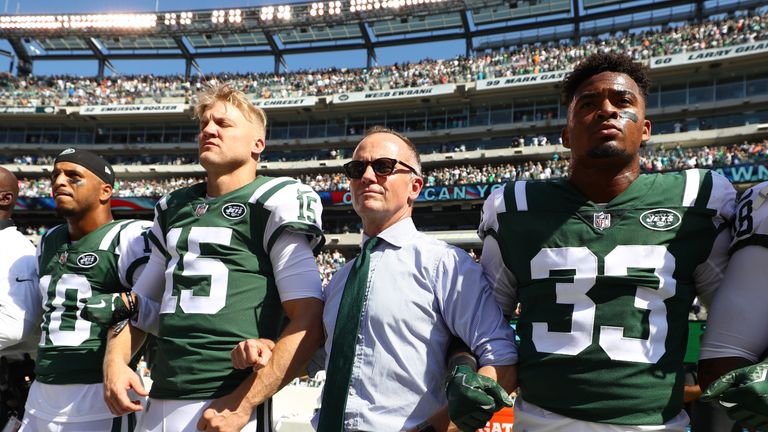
x: 415, y: 298
x: 420, y: 293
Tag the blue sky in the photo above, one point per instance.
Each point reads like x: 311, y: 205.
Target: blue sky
x: 385, y: 56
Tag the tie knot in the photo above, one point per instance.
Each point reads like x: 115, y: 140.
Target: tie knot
x: 370, y: 244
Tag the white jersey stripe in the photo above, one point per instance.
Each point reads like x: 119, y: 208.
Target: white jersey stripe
x: 111, y: 234
x: 265, y: 187
x: 521, y: 200
x: 163, y: 203
x: 692, y: 178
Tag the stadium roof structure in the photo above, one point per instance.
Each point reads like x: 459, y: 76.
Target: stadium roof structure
x: 326, y: 26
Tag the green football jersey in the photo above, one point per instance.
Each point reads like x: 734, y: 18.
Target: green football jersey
x: 605, y: 289
x: 220, y: 287
x: 105, y: 261
x: 750, y: 225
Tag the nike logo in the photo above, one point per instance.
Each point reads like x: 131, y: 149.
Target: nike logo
x: 100, y: 304
x: 22, y: 280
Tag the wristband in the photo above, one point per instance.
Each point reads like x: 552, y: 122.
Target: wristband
x: 131, y: 304
x: 462, y: 359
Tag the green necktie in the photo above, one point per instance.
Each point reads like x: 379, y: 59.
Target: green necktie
x: 339, y: 372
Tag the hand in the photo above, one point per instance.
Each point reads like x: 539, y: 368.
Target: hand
x: 744, y: 393
x: 253, y: 353
x: 105, y: 309
x: 118, y: 379
x: 473, y: 398
x: 224, y: 414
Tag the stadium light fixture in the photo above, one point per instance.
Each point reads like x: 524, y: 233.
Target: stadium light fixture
x: 97, y: 21
x: 282, y: 12
x: 375, y: 5
x: 186, y: 18
x: 235, y: 16
x: 267, y: 13
x: 173, y: 19
x: 329, y: 8
x: 218, y: 16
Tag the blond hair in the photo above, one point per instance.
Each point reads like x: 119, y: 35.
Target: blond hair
x: 234, y: 97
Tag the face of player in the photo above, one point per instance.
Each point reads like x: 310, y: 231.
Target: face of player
x: 606, y: 120
x: 76, y: 190
x: 380, y: 200
x: 227, y: 140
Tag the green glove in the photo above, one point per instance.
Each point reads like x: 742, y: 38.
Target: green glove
x: 106, y: 309
x: 744, y: 393
x: 473, y: 398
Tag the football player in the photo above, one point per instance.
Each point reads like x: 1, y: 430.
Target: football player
x: 20, y: 307
x: 90, y: 255
x: 737, y: 330
x: 605, y: 265
x: 230, y: 255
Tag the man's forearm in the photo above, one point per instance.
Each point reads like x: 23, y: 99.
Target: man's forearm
x: 506, y: 376
x: 297, y: 344
x: 122, y: 346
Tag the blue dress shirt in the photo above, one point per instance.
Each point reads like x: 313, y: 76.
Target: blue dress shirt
x: 421, y: 292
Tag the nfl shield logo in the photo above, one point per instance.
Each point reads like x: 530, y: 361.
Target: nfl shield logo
x: 601, y: 220
x: 63, y: 257
x: 201, y: 209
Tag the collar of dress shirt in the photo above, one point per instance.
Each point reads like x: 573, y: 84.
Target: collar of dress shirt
x: 397, y: 235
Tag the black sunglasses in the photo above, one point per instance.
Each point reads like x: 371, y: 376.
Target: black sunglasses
x: 382, y: 166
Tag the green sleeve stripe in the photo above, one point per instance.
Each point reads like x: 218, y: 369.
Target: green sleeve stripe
x: 753, y: 240
x: 312, y: 231
x: 273, y: 190
x: 151, y: 236
x: 493, y: 233
x: 132, y: 268
x: 705, y: 190
x: 509, y: 197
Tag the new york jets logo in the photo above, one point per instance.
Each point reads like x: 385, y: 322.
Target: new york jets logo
x: 87, y: 260
x: 660, y: 219
x: 233, y: 211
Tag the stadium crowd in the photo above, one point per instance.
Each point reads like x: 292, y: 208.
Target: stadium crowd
x: 277, y: 155
x: 328, y: 262
x: 146, y: 159
x: 679, y: 158
x: 528, y: 59
x: 651, y: 160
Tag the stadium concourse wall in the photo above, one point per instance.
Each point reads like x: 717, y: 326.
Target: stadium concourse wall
x: 737, y: 174
x: 430, y: 195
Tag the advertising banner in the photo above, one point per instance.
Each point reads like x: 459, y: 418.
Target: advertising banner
x: 709, y: 55
x: 521, y: 80
x: 100, y: 110
x: 27, y: 110
x: 285, y: 103
x: 403, y: 93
